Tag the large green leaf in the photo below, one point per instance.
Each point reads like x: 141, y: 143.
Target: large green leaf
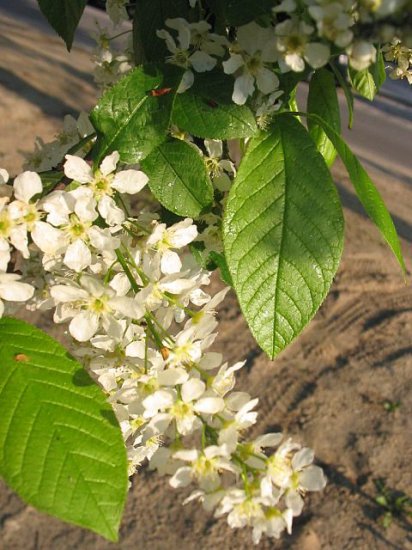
x: 323, y: 101
x: 149, y: 17
x: 206, y: 110
x: 61, y: 448
x: 178, y: 178
x: 63, y: 16
x: 133, y: 116
x: 283, y: 233
x: 366, y: 191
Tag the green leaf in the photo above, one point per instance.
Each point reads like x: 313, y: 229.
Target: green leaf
x: 240, y: 12
x: 61, y: 448
x: 378, y: 71
x: 178, y: 178
x: 346, y: 90
x: 367, y: 193
x: 63, y: 16
x: 363, y: 82
x: 130, y: 119
x: 323, y: 101
x: 283, y: 233
x: 149, y: 17
x: 206, y: 110
x: 220, y: 261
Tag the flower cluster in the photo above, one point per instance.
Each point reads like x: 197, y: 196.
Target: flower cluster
x: 142, y: 323
x: 401, y: 56
x: 294, y: 38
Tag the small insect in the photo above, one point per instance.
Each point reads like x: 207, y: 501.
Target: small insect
x: 158, y: 92
x: 211, y: 103
x: 21, y: 357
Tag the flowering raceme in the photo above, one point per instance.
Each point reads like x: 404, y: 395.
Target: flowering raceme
x: 143, y: 324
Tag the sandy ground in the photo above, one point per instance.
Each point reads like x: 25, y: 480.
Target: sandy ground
x: 328, y: 389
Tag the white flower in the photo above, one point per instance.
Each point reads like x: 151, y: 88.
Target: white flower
x: 89, y: 304
x: 205, y: 467
x: 293, y: 44
x: 164, y: 239
x: 12, y: 290
x: 104, y: 181
x: 257, y: 49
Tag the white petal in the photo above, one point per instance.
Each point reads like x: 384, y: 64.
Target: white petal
x: 192, y: 389
x: 295, y: 502
x: 317, y: 55
x: 209, y: 405
x: 48, y: 238
x: 120, y: 284
x: 182, y: 477
x: 181, y: 236
x: 77, y: 169
x: 16, y: 292
x: 188, y: 455
x: 266, y: 81
x: 172, y: 377
x: 110, y: 211
x: 312, y: 478
x: 109, y: 163
x: 78, y: 256
x: 128, y: 307
x: 85, y: 205
x: 136, y: 349
x: 244, y: 87
x: 202, y: 62
x: 187, y: 81
x: 170, y: 262
x: 65, y: 293
x: 26, y: 185
x: 302, y: 458
x: 102, y: 239
x: 232, y: 64
x: 84, y: 325
x: 129, y: 181
x: 4, y: 176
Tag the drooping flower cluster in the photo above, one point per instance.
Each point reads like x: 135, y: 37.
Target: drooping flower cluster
x: 142, y: 323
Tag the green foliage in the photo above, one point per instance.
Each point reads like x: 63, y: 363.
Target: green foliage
x: 240, y: 12
x: 342, y: 81
x: 178, y: 178
x: 283, y: 233
x: 131, y: 118
x: 394, y: 504
x: 61, y: 448
x: 366, y: 191
x: 323, y: 101
x: 63, y: 16
x: 369, y: 81
x: 150, y: 16
x: 206, y: 110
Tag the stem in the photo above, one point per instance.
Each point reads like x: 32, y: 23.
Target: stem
x: 127, y: 271
x: 80, y: 144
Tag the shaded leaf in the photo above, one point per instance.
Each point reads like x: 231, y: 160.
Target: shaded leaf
x: 206, y: 110
x: 366, y: 191
x: 63, y: 16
